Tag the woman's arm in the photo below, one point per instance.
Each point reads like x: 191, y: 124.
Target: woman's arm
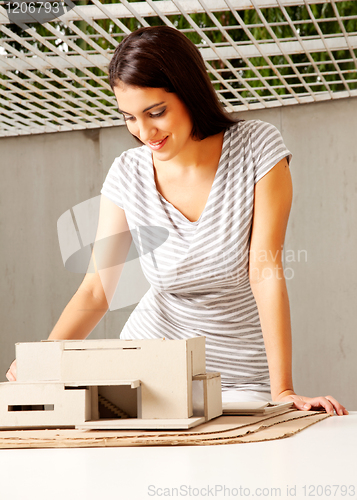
x: 272, y: 203
x: 92, y: 299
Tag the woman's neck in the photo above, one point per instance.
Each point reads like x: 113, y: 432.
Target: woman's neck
x: 195, y: 156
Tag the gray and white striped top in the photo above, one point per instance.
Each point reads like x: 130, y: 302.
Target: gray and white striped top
x: 199, y: 275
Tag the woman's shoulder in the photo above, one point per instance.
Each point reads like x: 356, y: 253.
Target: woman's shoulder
x: 251, y: 127
x: 134, y: 156
x: 126, y: 174
x: 254, y: 134
x: 131, y: 161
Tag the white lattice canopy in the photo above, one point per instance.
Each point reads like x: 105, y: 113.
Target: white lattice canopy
x: 258, y: 53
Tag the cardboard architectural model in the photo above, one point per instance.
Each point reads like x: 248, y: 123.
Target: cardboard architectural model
x: 111, y: 384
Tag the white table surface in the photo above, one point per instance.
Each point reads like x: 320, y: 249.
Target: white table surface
x: 321, y: 455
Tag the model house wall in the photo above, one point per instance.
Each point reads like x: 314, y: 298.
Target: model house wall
x: 138, y: 383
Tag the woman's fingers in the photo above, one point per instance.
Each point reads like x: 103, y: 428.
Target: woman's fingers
x: 322, y: 402
x: 328, y: 403
x: 11, y: 373
x: 10, y: 376
x: 340, y: 410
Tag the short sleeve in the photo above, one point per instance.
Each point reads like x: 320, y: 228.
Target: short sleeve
x: 268, y: 149
x: 112, y: 185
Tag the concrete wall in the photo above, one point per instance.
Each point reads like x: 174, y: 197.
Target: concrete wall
x: 43, y: 176
x: 323, y: 227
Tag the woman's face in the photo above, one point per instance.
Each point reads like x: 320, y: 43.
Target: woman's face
x: 156, y: 117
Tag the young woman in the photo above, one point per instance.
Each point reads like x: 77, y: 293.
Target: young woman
x: 221, y: 189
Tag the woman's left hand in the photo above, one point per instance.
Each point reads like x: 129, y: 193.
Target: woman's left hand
x: 328, y: 403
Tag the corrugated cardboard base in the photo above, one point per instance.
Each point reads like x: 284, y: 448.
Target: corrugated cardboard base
x: 222, y: 430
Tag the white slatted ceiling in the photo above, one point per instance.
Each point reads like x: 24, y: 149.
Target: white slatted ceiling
x: 55, y: 78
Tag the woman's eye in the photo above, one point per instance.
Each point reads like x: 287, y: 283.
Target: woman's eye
x: 156, y: 115
x: 127, y: 118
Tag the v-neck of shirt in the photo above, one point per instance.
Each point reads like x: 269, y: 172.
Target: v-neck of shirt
x: 164, y: 201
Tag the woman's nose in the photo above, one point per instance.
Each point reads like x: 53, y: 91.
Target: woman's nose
x: 146, y: 131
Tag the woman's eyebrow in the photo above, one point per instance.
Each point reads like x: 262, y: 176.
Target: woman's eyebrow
x: 146, y: 109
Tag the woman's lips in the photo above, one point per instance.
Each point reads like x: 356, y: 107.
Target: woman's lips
x: 158, y: 144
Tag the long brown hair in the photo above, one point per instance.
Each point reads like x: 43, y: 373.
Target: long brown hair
x: 162, y: 57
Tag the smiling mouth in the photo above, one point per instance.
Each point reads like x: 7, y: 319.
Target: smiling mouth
x: 157, y: 144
